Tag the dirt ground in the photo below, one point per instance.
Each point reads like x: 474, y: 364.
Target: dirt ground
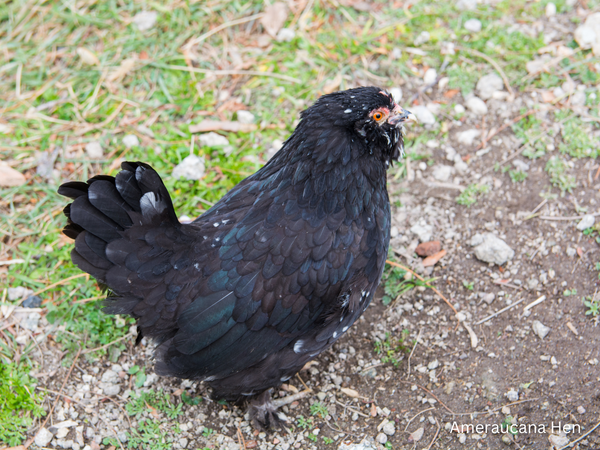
x: 450, y: 382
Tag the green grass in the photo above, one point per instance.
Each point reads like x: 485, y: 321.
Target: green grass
x: 469, y: 196
x: 19, y: 402
x: 392, y: 348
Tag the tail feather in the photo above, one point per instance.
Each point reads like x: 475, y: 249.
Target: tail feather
x: 105, y: 197
x: 125, y: 231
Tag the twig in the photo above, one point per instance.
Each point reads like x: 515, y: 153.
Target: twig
x: 58, y: 283
x: 485, y: 140
x: 413, y: 350
x: 30, y: 440
x: 395, y: 264
x: 241, y: 439
x: 567, y: 218
x: 11, y: 261
x: 571, y: 444
x: 90, y: 350
x: 506, y: 283
x: 303, y: 383
x: 436, y: 433
x: 417, y: 415
x: 430, y: 393
x: 89, y: 299
x: 534, y: 303
x: 290, y: 398
x: 226, y: 72
x: 197, y: 40
x: 499, y: 312
x: 352, y: 409
x: 493, y: 63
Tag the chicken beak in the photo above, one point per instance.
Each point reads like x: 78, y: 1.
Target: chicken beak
x: 402, y: 116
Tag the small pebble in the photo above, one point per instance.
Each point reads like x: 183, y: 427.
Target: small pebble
x: 473, y: 25
x: 581, y: 410
x: 381, y: 438
x: 130, y: 140
x: 33, y: 301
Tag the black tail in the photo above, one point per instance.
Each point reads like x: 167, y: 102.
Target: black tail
x: 105, y: 206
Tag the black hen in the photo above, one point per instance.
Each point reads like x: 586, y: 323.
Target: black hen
x: 270, y: 276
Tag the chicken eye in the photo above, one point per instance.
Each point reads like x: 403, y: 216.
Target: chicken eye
x: 378, y: 116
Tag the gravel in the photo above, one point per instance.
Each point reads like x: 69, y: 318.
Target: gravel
x: 94, y: 150
x: 586, y: 222
x: 491, y: 249
x: 145, y: 20
x: 424, y: 115
x: 540, y: 329
x: 131, y: 140
x: 488, y: 84
x: 43, y: 437
x: 213, y: 139
x: 191, y: 168
x: 477, y: 106
x: 473, y: 25
x: 468, y: 136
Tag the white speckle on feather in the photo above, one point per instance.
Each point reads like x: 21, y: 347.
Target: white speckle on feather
x: 205, y: 237
x: 348, y: 111
x: 352, y: 96
x: 224, y: 221
x: 285, y: 378
x: 344, y: 329
x: 217, y: 239
x: 298, y: 346
x: 335, y: 334
x: 216, y: 224
x: 211, y: 378
x: 197, y: 266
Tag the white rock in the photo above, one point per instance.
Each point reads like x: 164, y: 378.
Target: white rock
x: 424, y: 115
x: 275, y: 147
x: 422, y: 38
x: 466, y: 5
x: 540, y: 329
x: 110, y: 376
x: 585, y: 36
x: 245, y: 116
x: 491, y: 249
x: 43, y: 437
x: 473, y: 25
x: 368, y: 443
x: 191, y: 168
x: 450, y: 153
x: 586, y: 222
x: 145, y: 20
x: 442, y: 173
x: 19, y: 292
x: 396, y: 94
x: 286, y: 35
x: 213, y: 139
x: 558, y: 441
x: 110, y: 389
x: 31, y: 321
x: 512, y: 395
x: 521, y: 165
x: 462, y: 438
x: 130, y: 140
x: 468, y: 136
x: 578, y: 98
x: 477, y: 106
x: 389, y: 428
x: 381, y: 438
x: 433, y: 364
x: 94, y: 150
x: 550, y: 9
x: 459, y: 109
x: 394, y: 232
x: 10, y: 177
x: 430, y: 76
x: 581, y: 409
x: 488, y: 84
x: 422, y: 230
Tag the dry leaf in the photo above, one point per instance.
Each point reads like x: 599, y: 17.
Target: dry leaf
x: 433, y: 259
x: 126, y: 66
x: 450, y: 93
x: 416, y: 435
x: 274, y: 18
x: 11, y: 177
x: 350, y: 392
x: 548, y: 96
x: 428, y: 248
x: 223, y: 125
x: 332, y: 85
x: 87, y: 56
